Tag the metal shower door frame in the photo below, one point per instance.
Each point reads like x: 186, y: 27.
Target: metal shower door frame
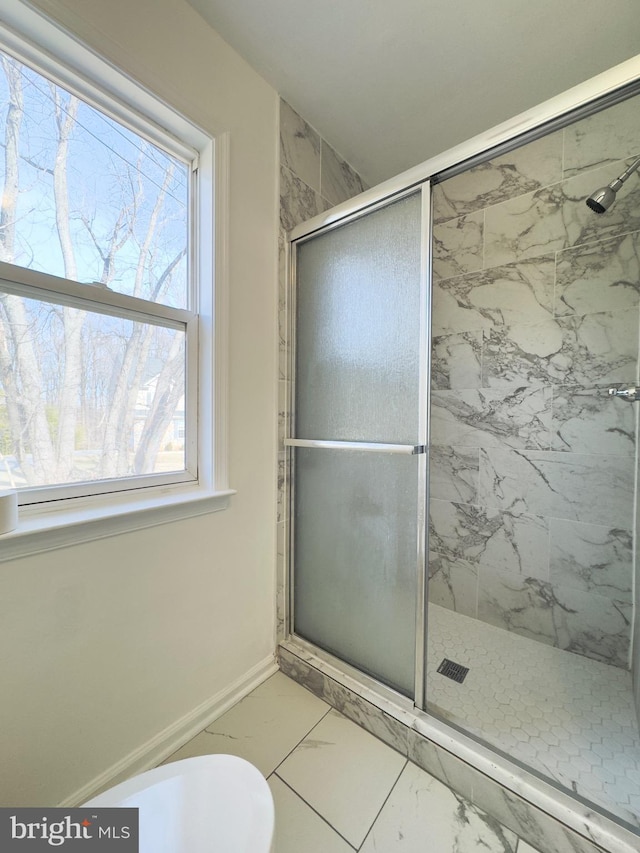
x: 529, y: 789
x: 420, y: 449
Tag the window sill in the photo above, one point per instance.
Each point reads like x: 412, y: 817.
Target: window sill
x: 79, y: 520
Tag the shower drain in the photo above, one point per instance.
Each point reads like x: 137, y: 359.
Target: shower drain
x: 453, y: 670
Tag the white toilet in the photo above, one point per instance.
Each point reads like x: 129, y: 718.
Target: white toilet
x: 207, y: 804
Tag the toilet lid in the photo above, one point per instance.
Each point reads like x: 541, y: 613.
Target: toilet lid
x: 207, y: 804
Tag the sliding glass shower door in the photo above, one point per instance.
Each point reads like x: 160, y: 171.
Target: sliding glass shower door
x: 358, y: 438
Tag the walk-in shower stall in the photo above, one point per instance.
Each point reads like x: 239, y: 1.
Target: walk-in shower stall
x: 462, y: 451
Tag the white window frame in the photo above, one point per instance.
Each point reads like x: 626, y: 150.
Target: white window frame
x: 66, y: 515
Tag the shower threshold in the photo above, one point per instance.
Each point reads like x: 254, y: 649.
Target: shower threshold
x: 538, y: 810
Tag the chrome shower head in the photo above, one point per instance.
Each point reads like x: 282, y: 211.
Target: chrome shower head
x: 603, y: 198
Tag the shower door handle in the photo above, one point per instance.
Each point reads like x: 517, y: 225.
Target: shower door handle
x: 632, y: 395
x: 369, y: 447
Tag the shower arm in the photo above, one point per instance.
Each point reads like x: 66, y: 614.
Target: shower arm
x: 619, y: 181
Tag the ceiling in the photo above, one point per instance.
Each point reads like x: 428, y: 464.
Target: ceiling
x: 390, y: 83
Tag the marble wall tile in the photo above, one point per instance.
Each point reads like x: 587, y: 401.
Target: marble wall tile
x: 523, y: 353
x: 610, y: 135
x: 557, y: 217
x: 338, y: 181
x: 581, y: 622
x: 578, y: 340
x: 589, y: 421
x: 523, y: 170
x: 299, y: 146
x: 457, y: 245
x: 283, y: 475
x: 283, y: 331
x: 456, y: 361
x: 283, y: 413
x: 518, y: 416
x: 281, y: 581
x: 516, y: 543
x: 516, y: 293
x: 579, y: 487
x: 283, y: 343
x: 298, y: 202
x: 453, y: 585
x: 588, y: 351
x: 602, y: 276
x: 453, y: 473
x: 525, y: 227
x: 585, y: 226
x: 592, y: 558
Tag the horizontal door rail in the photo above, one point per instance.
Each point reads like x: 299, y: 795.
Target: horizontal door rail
x: 369, y: 447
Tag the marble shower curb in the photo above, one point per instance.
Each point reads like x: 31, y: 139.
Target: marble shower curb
x: 557, y: 824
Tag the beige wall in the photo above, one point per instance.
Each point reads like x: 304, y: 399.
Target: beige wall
x: 104, y: 645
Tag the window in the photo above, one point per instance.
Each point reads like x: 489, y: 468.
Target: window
x: 91, y: 387
x: 106, y: 287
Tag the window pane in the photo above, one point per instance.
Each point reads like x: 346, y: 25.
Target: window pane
x: 85, y: 396
x: 85, y: 198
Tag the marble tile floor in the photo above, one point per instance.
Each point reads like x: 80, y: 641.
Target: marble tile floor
x: 566, y: 716
x: 337, y: 788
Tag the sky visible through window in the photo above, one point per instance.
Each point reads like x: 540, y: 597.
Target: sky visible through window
x: 123, y: 194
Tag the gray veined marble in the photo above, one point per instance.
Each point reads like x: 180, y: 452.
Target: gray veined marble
x: 557, y: 217
x: 593, y: 558
x: 283, y: 413
x: 281, y: 582
x: 528, y: 168
x: 299, y: 146
x: 283, y: 332
x: 584, y: 226
x: 338, y: 180
x: 515, y: 543
x: 608, y: 136
x: 581, y: 622
x: 456, y: 361
x: 453, y: 585
x: 580, y: 487
x: 283, y: 476
x: 603, y: 276
x: 433, y: 817
x: 298, y: 202
x: 457, y: 245
x: 516, y: 293
x: 588, y: 351
x: 590, y: 421
x: 453, y: 473
x: 518, y: 416
x: 525, y: 227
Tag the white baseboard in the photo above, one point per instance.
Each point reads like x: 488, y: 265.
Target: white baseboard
x: 166, y: 742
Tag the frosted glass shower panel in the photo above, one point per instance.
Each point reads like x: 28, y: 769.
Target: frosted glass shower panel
x: 355, y: 558
x: 358, y: 328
